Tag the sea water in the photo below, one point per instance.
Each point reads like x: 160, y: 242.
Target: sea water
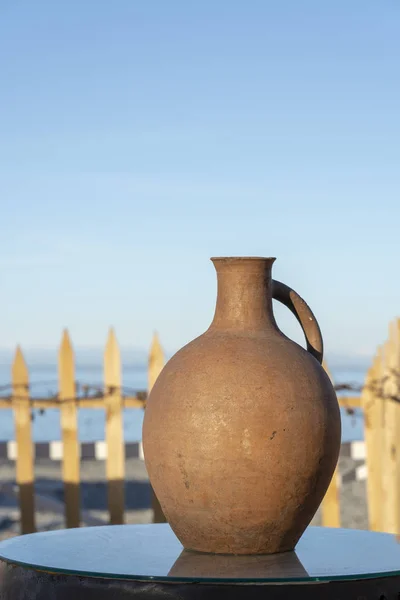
x: 91, y: 422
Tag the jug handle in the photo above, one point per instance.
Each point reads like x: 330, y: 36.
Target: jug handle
x: 303, y: 314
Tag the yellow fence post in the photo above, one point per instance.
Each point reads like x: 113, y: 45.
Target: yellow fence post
x: 372, y: 404
x: 396, y: 401
x: 156, y: 361
x: 330, y: 507
x: 23, y: 437
x: 390, y: 458
x: 69, y: 431
x: 156, y: 364
x: 115, y: 464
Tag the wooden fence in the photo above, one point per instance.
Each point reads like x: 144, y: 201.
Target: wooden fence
x: 379, y: 399
x: 68, y: 401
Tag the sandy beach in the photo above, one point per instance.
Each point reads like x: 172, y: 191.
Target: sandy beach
x: 50, y: 507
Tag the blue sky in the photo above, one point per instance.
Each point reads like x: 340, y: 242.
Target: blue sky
x: 139, y: 138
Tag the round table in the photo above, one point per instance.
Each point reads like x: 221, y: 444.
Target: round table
x: 148, y: 562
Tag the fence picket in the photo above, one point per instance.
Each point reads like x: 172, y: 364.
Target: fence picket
x: 115, y: 463
x: 156, y: 361
x: 396, y: 392
x: 23, y: 437
x: 330, y: 507
x: 372, y: 404
x: 156, y: 364
x: 390, y: 450
x: 69, y: 431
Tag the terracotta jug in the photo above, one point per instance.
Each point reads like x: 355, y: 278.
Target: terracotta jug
x: 242, y: 429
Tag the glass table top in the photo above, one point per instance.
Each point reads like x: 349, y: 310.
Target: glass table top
x: 152, y: 552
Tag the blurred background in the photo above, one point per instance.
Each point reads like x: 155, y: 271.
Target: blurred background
x: 140, y: 138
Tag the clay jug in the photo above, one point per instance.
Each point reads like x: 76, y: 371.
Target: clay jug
x: 242, y: 430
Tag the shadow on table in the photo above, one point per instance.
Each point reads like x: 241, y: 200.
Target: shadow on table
x: 197, y: 565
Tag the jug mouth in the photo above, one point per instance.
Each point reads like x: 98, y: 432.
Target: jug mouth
x: 232, y: 259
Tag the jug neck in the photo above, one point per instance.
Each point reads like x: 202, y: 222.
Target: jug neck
x: 244, y: 297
